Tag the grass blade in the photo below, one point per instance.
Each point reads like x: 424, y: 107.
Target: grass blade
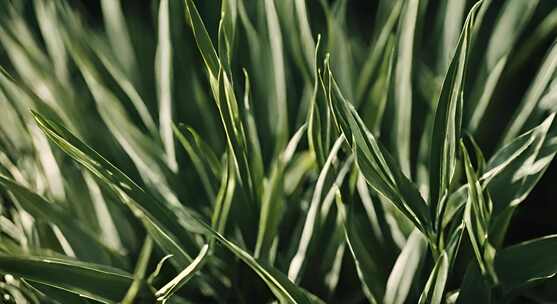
x: 100, y: 283
x: 165, y: 84
x: 406, y: 269
x: 435, y: 286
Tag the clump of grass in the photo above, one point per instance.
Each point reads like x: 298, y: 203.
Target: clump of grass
x: 272, y: 156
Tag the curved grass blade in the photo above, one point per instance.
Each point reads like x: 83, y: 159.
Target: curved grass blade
x: 139, y: 273
x: 379, y: 169
x: 165, y: 292
x: 161, y: 221
x: 535, y: 260
x: 477, y: 217
x: 435, y: 286
x: 283, y: 289
x: 83, y: 242
x: 446, y: 127
x: 511, y: 21
x: 406, y: 269
x: 100, y: 283
x: 203, y: 159
x: 532, y: 105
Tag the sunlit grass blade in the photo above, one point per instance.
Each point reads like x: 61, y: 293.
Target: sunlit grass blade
x: 165, y: 292
x: 538, y: 98
x: 164, y: 73
x: 160, y: 219
x: 272, y: 206
x: 406, y: 269
x: 312, y: 217
x: 279, y: 118
x: 402, y: 98
x: 446, y: 126
x: 84, y: 243
x: 510, y: 22
x: 435, y: 286
x: 379, y: 169
x: 477, y: 218
x: 100, y: 283
x: 117, y: 31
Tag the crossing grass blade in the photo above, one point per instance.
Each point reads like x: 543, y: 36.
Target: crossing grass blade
x: 100, y: 283
x: 160, y: 220
x: 446, y: 126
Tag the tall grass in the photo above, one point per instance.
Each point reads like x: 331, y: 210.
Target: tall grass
x: 263, y: 151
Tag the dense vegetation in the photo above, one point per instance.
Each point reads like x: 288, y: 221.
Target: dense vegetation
x: 255, y: 151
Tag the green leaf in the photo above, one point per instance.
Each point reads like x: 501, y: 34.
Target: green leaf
x: 202, y: 38
x: 379, y: 169
x: 118, y: 35
x: 477, y: 218
x: 279, y: 110
x: 402, y: 98
x: 165, y: 292
x: 510, y: 22
x: 516, y: 168
x: 139, y: 273
x: 164, y: 223
x: 526, y: 262
x: 164, y: 73
x: 312, y: 217
x: 474, y: 289
x: 100, y: 283
x: 446, y: 127
x: 83, y: 242
x: 406, y: 269
x: 435, y: 286
x: 280, y: 285
x: 537, y: 100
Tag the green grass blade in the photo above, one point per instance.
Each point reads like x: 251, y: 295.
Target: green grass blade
x: 160, y: 220
x: 100, y: 283
x: 446, y: 127
x: 376, y: 165
x: 273, y: 203
x: 118, y: 35
x: 202, y: 38
x: 406, y: 269
x: 164, y: 74
x: 477, y: 217
x: 83, y: 242
x: 279, y: 117
x: 534, y: 259
x: 402, y: 99
x: 165, y: 292
x: 435, y: 286
x: 323, y: 182
x: 510, y: 22
x: 203, y: 159
x: 139, y: 273
x: 283, y: 289
x: 532, y: 105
